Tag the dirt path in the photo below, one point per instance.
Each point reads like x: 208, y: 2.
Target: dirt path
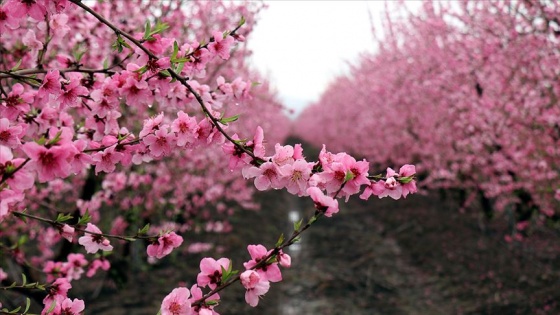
x: 414, y: 256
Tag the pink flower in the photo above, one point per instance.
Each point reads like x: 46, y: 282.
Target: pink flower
x: 57, y: 291
x: 211, y: 271
x: 237, y: 157
x: 72, y: 307
x: 104, y: 264
x: 408, y: 170
x: 67, y: 232
x: 197, y: 294
x: 106, y: 161
x: 16, y: 103
x: 94, y: 242
x: 269, y: 272
x: 185, y: 128
x: 255, y: 285
x: 19, y: 181
x: 9, y: 136
x: 177, y: 302
x: 8, y: 198
x: 323, y: 203
x: 266, y: 176
x: 35, y: 9
x: 7, y: 20
x: 75, y: 266
x: 284, y: 259
x: 49, y: 163
x: 220, y: 46
x: 160, y: 143
x: 298, y: 174
x: 165, y: 245
x: 71, y: 92
x: 51, y: 84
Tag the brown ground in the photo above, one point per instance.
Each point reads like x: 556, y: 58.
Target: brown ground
x: 413, y: 256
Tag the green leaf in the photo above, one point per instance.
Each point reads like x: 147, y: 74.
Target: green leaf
x: 148, y: 29
x: 22, y: 240
x: 242, y: 21
x: 23, y: 279
x: 406, y: 179
x: 106, y: 63
x: 144, y: 230
x: 211, y: 302
x: 349, y: 176
x: 62, y: 217
x: 179, y: 68
x: 226, y: 120
x: 175, y: 50
x: 297, y: 225
x: 312, y: 219
x: 51, y: 308
x: 17, y: 65
x: 130, y: 239
x: 27, y: 305
x: 86, y: 218
x: 280, y: 240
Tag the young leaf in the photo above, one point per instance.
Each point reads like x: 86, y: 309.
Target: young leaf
x: 148, y: 29
x: 280, y: 240
x: 27, y: 305
x: 297, y: 225
x: 226, y: 120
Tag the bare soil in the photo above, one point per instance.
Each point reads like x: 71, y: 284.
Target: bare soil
x: 414, y: 256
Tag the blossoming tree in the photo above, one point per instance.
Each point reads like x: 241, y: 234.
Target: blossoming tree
x: 468, y: 90
x: 142, y: 118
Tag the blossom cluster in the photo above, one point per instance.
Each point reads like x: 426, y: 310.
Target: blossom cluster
x: 117, y: 114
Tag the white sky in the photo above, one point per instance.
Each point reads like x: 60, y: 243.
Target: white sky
x: 303, y: 45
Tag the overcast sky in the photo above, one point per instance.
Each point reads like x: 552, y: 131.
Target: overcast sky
x: 303, y: 45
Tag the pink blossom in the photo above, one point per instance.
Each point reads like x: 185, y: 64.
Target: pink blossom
x: 408, y: 170
x: 9, y: 136
x: 35, y: 9
x: 51, y: 84
x: 94, y: 242
x: 283, y: 154
x: 269, y: 272
x: 19, y: 181
x: 323, y: 203
x: 8, y: 198
x: 160, y: 143
x: 297, y: 175
x: 204, y: 309
x: 165, y: 245
x: 267, y: 175
x: 284, y: 259
x: 7, y: 20
x: 106, y: 161
x: 79, y: 159
x: 75, y: 266
x: 177, y: 302
x: 16, y: 103
x: 150, y: 125
x: 67, y: 232
x: 104, y: 264
x: 185, y: 128
x: 72, y: 307
x: 211, y: 271
x: 31, y: 41
x: 71, y: 92
x: 220, y: 46
x: 237, y: 157
x: 255, y: 285
x: 49, y: 163
x: 57, y: 291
